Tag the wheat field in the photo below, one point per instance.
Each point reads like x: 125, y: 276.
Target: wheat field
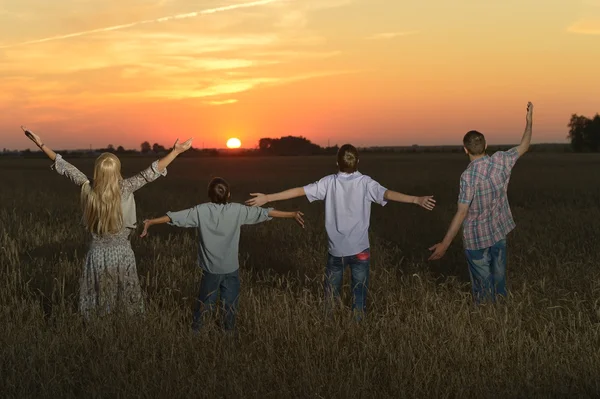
x: 422, y: 336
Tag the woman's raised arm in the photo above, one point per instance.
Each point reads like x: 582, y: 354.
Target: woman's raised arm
x: 61, y: 166
x: 158, y: 168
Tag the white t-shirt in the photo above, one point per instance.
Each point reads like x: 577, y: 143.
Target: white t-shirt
x: 348, y: 198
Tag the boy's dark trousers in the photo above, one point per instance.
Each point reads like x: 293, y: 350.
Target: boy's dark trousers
x: 228, y: 285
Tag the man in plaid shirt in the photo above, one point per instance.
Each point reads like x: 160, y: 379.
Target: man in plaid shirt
x: 484, y: 213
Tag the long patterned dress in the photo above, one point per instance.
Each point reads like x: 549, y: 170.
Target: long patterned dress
x: 109, y: 280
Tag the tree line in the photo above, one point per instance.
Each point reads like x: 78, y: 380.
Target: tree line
x: 584, y: 133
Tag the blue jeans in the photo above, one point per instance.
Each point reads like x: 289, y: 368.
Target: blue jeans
x: 228, y: 285
x: 487, y: 268
x: 334, y: 276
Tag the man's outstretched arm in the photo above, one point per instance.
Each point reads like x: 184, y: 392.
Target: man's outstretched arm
x: 261, y: 199
x: 526, y: 140
x: 439, y: 250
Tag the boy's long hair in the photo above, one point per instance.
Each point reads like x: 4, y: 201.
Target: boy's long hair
x: 218, y: 191
x: 101, y: 201
x: 347, y: 158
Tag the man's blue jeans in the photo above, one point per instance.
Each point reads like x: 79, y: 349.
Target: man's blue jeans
x: 228, y: 285
x: 334, y: 276
x: 487, y: 268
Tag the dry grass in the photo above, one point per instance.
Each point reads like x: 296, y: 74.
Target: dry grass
x: 423, y: 338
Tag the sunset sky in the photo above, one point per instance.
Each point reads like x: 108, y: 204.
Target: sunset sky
x: 369, y: 72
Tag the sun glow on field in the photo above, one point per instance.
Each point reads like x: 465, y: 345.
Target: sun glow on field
x: 234, y: 143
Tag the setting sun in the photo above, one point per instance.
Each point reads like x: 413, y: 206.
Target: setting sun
x: 234, y: 143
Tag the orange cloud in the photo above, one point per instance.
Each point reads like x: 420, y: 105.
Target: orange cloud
x: 586, y: 27
x: 222, y: 102
x: 391, y: 35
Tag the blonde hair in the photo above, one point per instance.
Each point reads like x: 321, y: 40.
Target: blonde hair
x: 101, y: 201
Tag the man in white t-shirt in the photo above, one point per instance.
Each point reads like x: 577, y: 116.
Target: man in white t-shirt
x: 348, y: 196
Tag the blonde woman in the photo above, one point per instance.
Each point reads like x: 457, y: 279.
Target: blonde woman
x: 109, y: 278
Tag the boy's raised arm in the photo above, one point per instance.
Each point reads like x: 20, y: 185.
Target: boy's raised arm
x: 426, y: 202
x: 261, y: 199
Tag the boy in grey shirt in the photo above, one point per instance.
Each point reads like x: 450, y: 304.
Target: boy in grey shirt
x: 218, y: 223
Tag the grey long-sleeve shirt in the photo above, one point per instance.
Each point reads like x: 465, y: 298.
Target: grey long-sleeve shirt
x: 219, y: 232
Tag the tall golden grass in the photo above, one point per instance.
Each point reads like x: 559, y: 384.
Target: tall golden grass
x: 422, y: 337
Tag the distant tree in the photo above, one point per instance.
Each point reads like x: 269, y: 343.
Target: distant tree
x: 288, y: 145
x: 264, y: 144
x: 584, y: 133
x: 120, y: 149
x: 592, y: 134
x: 577, y: 125
x: 157, y: 148
x: 110, y: 148
x: 145, y: 147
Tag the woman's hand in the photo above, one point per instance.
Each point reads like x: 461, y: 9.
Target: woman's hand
x: 32, y: 136
x: 180, y: 148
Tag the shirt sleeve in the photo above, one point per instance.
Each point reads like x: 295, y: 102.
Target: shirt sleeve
x: 467, y: 191
x: 146, y: 176
x: 254, y: 214
x: 376, y: 192
x: 185, y: 218
x: 64, y: 168
x: 317, y: 190
x: 509, y: 158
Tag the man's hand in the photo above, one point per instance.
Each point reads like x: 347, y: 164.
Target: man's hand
x: 258, y: 200
x: 439, y: 250
x: 426, y: 202
x: 180, y: 148
x: 529, y: 116
x: 298, y: 217
x: 147, y: 224
x: 32, y: 136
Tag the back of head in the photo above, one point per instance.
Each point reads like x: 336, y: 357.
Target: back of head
x: 474, y: 142
x: 218, y: 191
x: 101, y: 203
x: 347, y: 158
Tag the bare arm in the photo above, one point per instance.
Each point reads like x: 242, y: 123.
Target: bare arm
x: 288, y: 215
x: 175, y: 152
x: 157, y: 169
x: 526, y: 140
x: 48, y: 151
x: 38, y: 142
x: 426, y: 202
x: 152, y: 222
x: 261, y: 199
x: 61, y: 166
x: 440, y: 249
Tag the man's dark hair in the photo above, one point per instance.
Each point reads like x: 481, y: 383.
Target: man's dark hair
x: 474, y: 142
x: 347, y: 158
x: 218, y: 191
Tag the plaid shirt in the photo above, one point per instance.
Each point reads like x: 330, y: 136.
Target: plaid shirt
x: 483, y: 186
